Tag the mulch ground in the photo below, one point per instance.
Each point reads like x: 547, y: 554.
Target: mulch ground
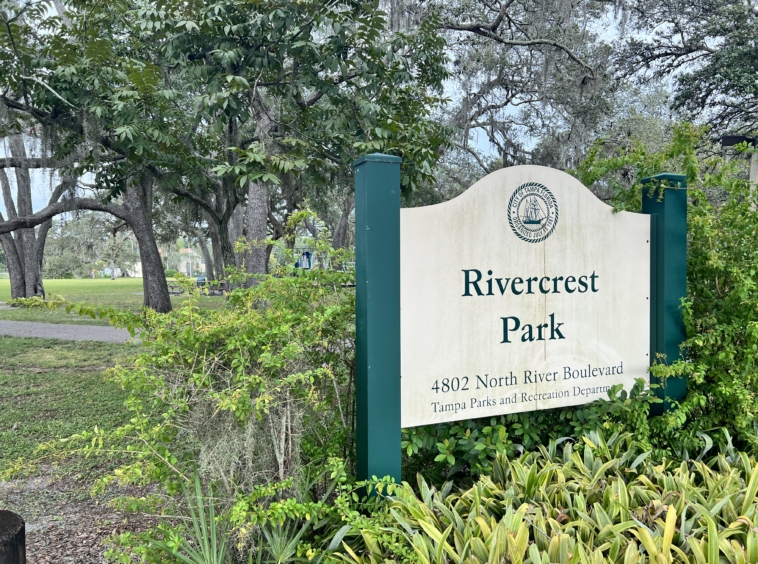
x: 80, y: 542
x: 64, y: 525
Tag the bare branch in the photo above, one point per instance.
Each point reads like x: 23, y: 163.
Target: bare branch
x: 473, y: 153
x: 485, y: 31
x: 201, y: 202
x: 501, y: 15
x: 33, y: 162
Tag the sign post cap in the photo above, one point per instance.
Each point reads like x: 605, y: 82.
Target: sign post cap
x: 377, y: 158
x: 678, y: 180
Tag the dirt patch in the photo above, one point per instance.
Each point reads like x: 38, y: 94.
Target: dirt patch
x: 64, y: 524
x: 80, y: 537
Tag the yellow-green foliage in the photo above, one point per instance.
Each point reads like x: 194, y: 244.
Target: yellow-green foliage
x: 591, y: 503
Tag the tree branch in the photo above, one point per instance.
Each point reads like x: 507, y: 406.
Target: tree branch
x: 72, y: 204
x: 470, y: 151
x: 42, y: 83
x: 187, y: 195
x: 501, y: 15
x: 316, y: 96
x: 485, y: 31
x: 10, y: 206
x: 32, y: 162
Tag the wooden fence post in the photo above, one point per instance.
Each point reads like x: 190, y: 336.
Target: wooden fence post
x: 12, y: 538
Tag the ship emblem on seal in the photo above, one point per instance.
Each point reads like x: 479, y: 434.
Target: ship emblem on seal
x: 532, y: 212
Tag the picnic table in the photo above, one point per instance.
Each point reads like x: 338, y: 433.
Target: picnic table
x: 175, y: 289
x: 219, y: 288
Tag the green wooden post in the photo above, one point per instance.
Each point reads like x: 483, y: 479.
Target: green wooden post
x: 377, y: 293
x: 668, y: 275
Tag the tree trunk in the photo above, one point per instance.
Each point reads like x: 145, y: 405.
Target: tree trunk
x: 12, y: 259
x: 339, y: 239
x: 138, y: 200
x: 66, y: 182
x: 226, y: 200
x: 269, y: 250
x: 15, y: 268
x: 225, y: 244
x: 218, y: 257
x: 257, y: 229
x: 136, y: 211
x: 32, y: 272
x: 206, y: 255
x: 44, y: 229
x: 12, y: 538
x: 10, y: 207
x: 237, y: 231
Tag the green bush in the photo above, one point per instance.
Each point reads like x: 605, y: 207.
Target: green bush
x: 257, y: 398
x: 593, y: 502
x: 468, y: 447
x: 254, y: 392
x: 721, y: 308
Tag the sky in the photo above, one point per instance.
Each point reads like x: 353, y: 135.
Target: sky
x: 41, y: 181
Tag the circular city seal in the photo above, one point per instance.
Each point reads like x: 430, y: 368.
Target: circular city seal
x: 532, y: 212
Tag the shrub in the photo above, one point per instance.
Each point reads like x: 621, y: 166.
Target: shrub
x: 722, y: 296
x: 254, y: 392
x: 255, y: 397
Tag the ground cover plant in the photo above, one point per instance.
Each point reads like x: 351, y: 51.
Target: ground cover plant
x: 594, y: 501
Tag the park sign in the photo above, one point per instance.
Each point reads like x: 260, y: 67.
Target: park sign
x: 524, y: 293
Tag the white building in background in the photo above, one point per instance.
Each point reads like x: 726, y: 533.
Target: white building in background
x: 135, y: 271
x: 190, y: 263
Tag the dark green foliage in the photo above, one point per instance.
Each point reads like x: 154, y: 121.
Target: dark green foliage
x: 709, y: 47
x: 446, y: 450
x: 722, y: 301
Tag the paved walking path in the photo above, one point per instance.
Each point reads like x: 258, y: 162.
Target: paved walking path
x: 61, y: 331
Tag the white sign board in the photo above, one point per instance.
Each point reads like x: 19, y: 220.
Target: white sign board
x: 524, y: 293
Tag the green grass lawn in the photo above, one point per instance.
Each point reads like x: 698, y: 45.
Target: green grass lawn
x: 123, y: 293
x: 52, y: 389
